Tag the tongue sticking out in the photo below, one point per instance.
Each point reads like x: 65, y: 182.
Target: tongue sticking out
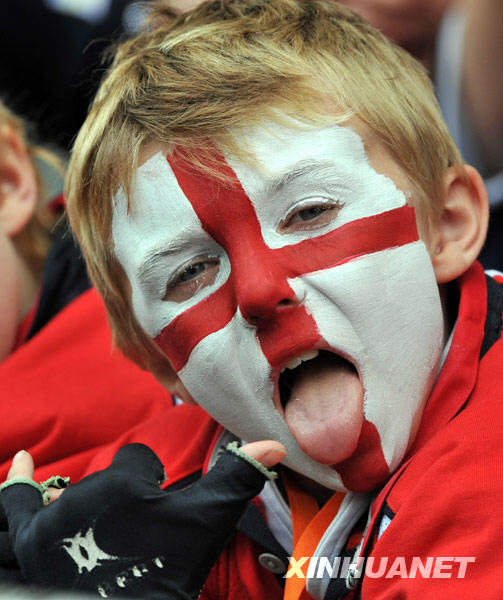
x: 325, y: 409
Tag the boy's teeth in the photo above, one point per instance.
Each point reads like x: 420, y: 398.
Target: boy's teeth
x: 309, y: 355
x: 295, y: 362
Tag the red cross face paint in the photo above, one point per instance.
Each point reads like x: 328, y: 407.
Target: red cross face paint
x: 296, y: 304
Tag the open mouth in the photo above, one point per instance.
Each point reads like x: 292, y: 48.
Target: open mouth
x: 308, y: 365
x: 321, y: 400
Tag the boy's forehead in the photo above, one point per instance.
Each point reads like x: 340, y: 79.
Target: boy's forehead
x: 273, y: 148
x: 284, y: 158
x: 284, y: 155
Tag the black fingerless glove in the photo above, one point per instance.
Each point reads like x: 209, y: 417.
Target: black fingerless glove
x: 117, y: 533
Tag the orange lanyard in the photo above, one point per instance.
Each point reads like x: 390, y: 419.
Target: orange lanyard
x: 309, y: 524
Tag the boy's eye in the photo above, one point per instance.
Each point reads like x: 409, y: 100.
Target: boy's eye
x: 310, y: 217
x: 199, y: 274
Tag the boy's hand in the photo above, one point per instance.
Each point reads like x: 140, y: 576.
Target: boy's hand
x: 117, y: 533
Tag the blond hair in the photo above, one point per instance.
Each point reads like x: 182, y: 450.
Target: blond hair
x: 189, y: 81
x: 34, y: 240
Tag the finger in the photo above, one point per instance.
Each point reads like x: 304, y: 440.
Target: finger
x: 7, y: 556
x: 139, y: 460
x: 211, y: 507
x: 22, y: 466
x: 238, y: 476
x: 21, y: 497
x: 268, y: 452
x: 53, y: 494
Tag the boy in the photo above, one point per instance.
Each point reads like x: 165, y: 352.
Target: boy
x: 285, y: 234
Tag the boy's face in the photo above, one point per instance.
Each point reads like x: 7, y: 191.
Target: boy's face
x: 18, y: 198
x: 10, y: 294
x: 296, y: 303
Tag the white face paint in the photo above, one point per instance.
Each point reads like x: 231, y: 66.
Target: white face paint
x: 311, y: 250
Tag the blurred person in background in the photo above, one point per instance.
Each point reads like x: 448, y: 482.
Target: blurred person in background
x: 51, y: 59
x: 64, y: 392
x: 460, y: 42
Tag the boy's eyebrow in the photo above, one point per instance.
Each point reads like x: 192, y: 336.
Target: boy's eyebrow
x: 151, y: 259
x: 297, y: 171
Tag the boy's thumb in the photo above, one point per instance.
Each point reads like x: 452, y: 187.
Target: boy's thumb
x: 267, y: 452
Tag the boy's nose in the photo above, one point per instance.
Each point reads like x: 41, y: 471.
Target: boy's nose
x: 262, y: 290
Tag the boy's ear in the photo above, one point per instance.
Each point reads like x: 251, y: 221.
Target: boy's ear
x: 171, y: 382
x: 18, y: 183
x: 460, y: 232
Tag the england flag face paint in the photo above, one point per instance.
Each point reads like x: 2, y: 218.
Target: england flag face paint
x: 297, y: 303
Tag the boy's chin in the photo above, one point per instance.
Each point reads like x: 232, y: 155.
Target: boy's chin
x: 364, y: 471
x: 358, y: 478
x: 317, y: 490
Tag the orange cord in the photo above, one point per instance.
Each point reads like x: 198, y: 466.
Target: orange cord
x: 309, y: 524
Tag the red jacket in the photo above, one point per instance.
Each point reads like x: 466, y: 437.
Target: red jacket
x: 65, y: 393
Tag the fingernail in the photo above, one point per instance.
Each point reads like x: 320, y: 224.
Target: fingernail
x: 274, y: 455
x: 18, y: 456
